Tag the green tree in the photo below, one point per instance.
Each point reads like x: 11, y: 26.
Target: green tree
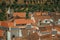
x: 2, y: 16
x: 27, y: 14
x: 3, y: 11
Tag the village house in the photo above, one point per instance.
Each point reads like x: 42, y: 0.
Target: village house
x: 39, y: 22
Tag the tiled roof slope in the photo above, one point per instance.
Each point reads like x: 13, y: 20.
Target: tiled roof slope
x: 20, y: 14
x: 23, y: 21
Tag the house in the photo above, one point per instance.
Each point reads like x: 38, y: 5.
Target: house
x: 42, y: 17
x: 20, y: 14
x: 23, y: 24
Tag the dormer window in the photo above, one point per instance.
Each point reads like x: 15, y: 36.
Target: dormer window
x: 46, y: 21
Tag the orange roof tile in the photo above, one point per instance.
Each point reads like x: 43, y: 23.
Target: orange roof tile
x: 20, y: 14
x: 20, y: 21
x: 30, y: 21
x: 4, y: 23
x: 7, y: 24
x: 57, y: 27
x: 41, y: 18
x: 44, y: 17
x: 40, y: 15
x: 1, y: 33
x: 37, y: 13
x: 23, y: 21
x: 10, y: 24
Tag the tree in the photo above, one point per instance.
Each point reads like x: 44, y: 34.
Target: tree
x: 2, y: 16
x: 3, y: 9
x: 27, y: 14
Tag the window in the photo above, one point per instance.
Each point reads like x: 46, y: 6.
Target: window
x: 20, y: 24
x: 46, y: 21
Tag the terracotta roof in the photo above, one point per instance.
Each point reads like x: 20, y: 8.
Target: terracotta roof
x: 57, y: 27
x: 30, y: 21
x: 20, y: 21
x: 11, y: 24
x: 20, y: 14
x: 23, y: 21
x: 41, y: 18
x: 40, y: 13
x: 37, y: 13
x: 17, y: 21
x: 1, y: 33
x: 7, y: 24
x: 44, y: 17
x: 4, y: 23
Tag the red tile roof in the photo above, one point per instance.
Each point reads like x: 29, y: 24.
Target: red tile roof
x: 20, y: 14
x: 37, y: 13
x: 17, y: 21
x: 1, y: 33
x: 41, y: 16
x: 23, y: 21
x: 11, y: 24
x: 7, y: 24
x: 20, y: 21
x: 4, y: 23
x: 57, y: 27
